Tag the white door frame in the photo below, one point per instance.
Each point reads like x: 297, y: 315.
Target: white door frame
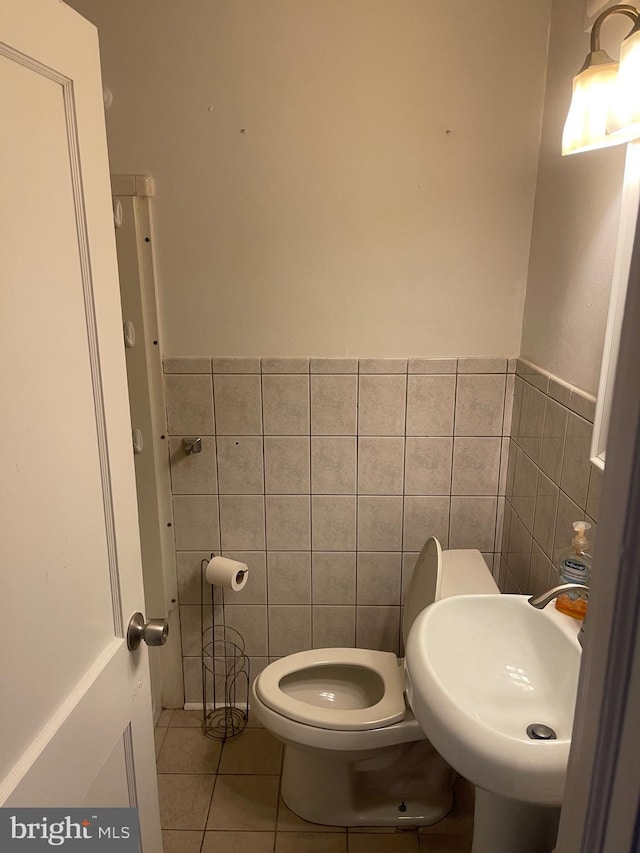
x: 601, y: 812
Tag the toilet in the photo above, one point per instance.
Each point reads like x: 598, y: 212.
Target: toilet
x: 354, y: 753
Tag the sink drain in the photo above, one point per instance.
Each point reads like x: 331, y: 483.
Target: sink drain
x: 538, y: 731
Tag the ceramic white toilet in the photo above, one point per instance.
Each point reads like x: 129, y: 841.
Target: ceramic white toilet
x: 354, y: 753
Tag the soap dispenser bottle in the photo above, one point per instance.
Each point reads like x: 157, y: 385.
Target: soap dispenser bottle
x: 574, y: 566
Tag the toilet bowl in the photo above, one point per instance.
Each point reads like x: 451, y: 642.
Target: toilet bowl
x: 354, y: 753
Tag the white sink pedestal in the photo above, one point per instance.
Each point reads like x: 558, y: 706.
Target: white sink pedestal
x: 501, y: 824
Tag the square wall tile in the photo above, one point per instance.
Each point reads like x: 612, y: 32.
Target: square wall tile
x: 240, y: 465
x: 289, y: 577
x: 250, y: 620
x: 409, y: 560
x: 541, y: 573
x: 473, y: 523
x: 531, y: 426
x: 379, y: 578
x: 189, y: 573
x: 480, y: 404
x: 505, y: 450
x: 507, y: 420
x: 288, y: 522
x: 430, y: 404
x: 334, y: 405
x: 238, y: 404
x: 380, y: 523
x: 195, y: 519
x: 380, y: 466
x: 553, y: 434
x: 476, y: 465
x: 289, y: 629
x: 425, y: 517
x: 255, y: 590
x: 286, y: 404
x: 193, y: 474
x: 242, y: 522
x: 525, y: 480
x: 378, y: 628
x: 334, y: 627
x: 191, y: 627
x: 333, y: 522
x: 568, y: 512
x: 544, y: 525
x: 593, y: 495
x: 518, y: 554
x: 333, y: 577
x: 287, y: 461
x: 189, y: 400
x: 381, y: 405
x: 576, y: 465
x: 333, y: 465
x: 428, y: 466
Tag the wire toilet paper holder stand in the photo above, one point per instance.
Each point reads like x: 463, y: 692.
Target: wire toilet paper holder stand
x: 225, y: 668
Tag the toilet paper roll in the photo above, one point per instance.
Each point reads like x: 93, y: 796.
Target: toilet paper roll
x: 229, y: 574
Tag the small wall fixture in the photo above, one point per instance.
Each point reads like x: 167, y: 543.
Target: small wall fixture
x: 605, y: 106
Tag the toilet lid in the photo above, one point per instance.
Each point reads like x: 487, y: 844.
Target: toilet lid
x: 339, y: 689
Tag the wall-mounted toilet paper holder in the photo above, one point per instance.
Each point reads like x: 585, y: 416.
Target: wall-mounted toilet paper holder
x: 192, y: 444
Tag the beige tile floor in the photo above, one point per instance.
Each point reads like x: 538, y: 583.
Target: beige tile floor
x: 226, y: 799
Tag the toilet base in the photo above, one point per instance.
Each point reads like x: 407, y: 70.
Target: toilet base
x: 405, y: 785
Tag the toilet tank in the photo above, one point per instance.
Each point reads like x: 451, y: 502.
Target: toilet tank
x: 441, y: 574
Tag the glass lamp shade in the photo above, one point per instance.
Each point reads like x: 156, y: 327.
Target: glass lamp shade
x: 623, y: 123
x: 586, y: 126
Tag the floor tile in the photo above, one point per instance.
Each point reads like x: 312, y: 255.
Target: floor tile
x: 188, y: 751
x: 181, y: 841
x: 311, y: 842
x: 186, y: 719
x: 244, y: 802
x: 397, y: 842
x: 164, y: 718
x: 184, y: 800
x: 237, y: 842
x: 444, y: 844
x: 376, y: 830
x: 159, y: 734
x: 253, y: 751
x: 288, y: 821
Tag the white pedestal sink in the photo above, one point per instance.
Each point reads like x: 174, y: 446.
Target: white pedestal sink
x: 481, y: 669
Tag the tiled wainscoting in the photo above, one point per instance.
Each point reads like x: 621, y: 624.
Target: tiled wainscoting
x: 550, y: 482
x: 326, y: 476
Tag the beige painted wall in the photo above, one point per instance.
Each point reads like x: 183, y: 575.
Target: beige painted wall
x: 575, y: 222
x: 334, y: 177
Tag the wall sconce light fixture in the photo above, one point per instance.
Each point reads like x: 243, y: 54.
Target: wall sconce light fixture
x: 605, y: 106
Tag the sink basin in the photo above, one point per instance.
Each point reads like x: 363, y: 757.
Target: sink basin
x: 481, y: 669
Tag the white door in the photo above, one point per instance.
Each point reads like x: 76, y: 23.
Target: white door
x: 75, y: 717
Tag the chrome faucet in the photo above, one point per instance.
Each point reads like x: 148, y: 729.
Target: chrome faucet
x: 543, y: 598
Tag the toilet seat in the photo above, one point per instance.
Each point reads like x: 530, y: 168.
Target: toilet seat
x: 339, y: 689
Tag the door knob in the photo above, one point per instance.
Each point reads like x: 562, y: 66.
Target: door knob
x: 154, y: 632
